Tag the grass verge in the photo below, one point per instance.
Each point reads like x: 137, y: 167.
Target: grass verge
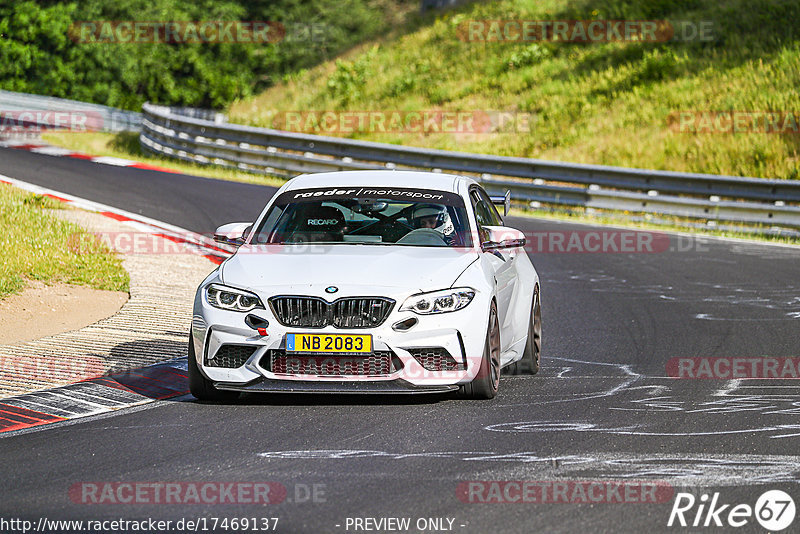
x: 36, y: 246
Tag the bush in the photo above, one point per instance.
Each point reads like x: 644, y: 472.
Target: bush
x: 38, y: 55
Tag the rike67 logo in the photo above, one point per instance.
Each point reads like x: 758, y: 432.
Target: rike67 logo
x: 774, y: 510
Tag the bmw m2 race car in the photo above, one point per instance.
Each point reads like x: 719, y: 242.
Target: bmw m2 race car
x: 368, y: 282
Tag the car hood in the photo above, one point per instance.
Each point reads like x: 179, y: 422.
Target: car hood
x: 345, y: 266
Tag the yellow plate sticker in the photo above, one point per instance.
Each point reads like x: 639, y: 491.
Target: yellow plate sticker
x: 329, y: 343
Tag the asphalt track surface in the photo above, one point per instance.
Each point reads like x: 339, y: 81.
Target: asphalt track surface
x: 602, y: 408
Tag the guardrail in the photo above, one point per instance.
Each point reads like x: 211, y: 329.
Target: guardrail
x: 98, y: 118
x: 726, y: 198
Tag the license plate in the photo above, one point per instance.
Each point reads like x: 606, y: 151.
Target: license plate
x: 329, y: 343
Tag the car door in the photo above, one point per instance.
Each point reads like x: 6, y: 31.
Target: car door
x: 500, y: 262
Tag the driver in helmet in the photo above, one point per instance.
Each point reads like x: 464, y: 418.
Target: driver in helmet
x: 435, y: 217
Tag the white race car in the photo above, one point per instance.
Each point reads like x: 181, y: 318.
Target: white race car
x: 368, y: 282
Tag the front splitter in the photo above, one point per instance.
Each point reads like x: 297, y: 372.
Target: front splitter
x: 267, y: 385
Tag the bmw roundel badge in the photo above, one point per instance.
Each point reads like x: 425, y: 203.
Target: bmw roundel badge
x: 331, y: 289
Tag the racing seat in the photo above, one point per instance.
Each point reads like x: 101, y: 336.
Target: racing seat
x: 319, y: 223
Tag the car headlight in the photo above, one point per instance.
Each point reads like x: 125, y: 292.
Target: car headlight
x: 229, y: 298
x: 443, y: 301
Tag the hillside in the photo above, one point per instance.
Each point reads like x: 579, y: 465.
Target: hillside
x: 61, y: 48
x: 615, y: 103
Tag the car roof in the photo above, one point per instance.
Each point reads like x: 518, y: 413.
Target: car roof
x: 406, y: 179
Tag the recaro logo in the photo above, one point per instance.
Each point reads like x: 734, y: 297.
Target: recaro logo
x: 774, y: 510
x: 322, y: 222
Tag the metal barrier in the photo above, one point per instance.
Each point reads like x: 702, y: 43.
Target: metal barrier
x: 726, y: 198
x: 97, y: 117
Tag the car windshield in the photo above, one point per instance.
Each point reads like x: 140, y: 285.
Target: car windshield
x: 368, y: 216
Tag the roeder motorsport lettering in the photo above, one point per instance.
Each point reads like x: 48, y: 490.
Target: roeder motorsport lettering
x: 392, y: 193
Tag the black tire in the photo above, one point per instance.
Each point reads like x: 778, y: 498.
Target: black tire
x: 486, y: 383
x: 529, y: 364
x: 201, y: 387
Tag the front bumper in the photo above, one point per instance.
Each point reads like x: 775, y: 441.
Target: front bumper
x: 461, y: 333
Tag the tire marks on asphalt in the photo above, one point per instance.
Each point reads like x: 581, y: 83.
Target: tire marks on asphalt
x: 686, y: 469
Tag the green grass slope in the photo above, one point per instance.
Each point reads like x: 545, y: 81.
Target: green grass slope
x: 593, y: 103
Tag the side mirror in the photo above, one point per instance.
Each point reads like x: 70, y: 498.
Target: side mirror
x: 232, y: 233
x: 504, y: 201
x: 499, y: 237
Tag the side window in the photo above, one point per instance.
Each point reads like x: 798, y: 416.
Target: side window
x: 269, y: 222
x: 493, y: 213
x: 482, y: 215
x: 485, y: 214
